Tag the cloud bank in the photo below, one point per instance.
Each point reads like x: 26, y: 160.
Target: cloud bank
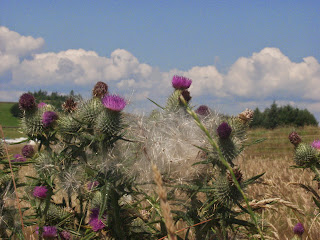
x: 257, y: 79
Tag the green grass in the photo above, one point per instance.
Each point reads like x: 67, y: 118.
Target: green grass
x: 9, y: 123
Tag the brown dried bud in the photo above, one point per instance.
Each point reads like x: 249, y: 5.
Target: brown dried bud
x: 238, y: 175
x: 100, y: 89
x: 294, y: 138
x: 69, y: 105
x: 246, y: 115
x: 186, y: 95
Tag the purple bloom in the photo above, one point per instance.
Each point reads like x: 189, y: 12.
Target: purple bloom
x: 179, y: 82
x: 27, y: 102
x: 224, y: 130
x: 18, y: 158
x: 65, y: 235
x: 94, y: 221
x: 42, y: 104
x: 92, y: 185
x: 114, y: 102
x: 203, y: 110
x: 48, y: 118
x: 40, y: 191
x: 27, y: 151
x: 49, y: 231
x: 298, y: 229
x: 316, y: 144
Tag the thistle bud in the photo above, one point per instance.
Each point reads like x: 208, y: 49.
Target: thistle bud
x: 238, y: 175
x: 203, y: 110
x: 100, y: 89
x: 186, y: 96
x: 294, y: 138
x: 298, y: 229
x: 69, y: 105
x: 27, y: 102
x: 224, y: 130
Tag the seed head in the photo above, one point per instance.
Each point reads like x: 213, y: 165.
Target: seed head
x: 40, y: 191
x: 27, y: 102
x: 27, y: 151
x: 114, y: 102
x: 224, y: 130
x: 298, y: 229
x: 48, y: 118
x: 69, y: 105
x: 294, y: 138
x: 246, y: 115
x: 179, y: 82
x: 100, y: 89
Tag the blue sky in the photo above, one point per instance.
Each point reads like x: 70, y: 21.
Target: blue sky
x: 238, y: 53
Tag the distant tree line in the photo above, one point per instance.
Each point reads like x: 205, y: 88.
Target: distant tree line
x: 55, y: 99
x: 282, y: 116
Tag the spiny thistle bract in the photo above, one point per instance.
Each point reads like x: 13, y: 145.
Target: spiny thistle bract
x: 2, y: 150
x: 305, y: 155
x: 89, y: 110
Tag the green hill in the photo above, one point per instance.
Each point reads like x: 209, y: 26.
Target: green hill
x: 9, y: 123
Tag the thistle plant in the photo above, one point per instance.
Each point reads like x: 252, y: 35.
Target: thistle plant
x: 94, y: 177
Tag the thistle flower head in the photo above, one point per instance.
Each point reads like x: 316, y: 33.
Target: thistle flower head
x: 27, y: 151
x: 27, y: 102
x: 42, y: 104
x: 114, y: 102
x: 100, y: 89
x: 65, y: 235
x: 179, y: 82
x: 294, y: 138
x: 48, y: 118
x: 18, y: 158
x: 92, y: 185
x: 186, y: 95
x: 69, y: 105
x: 49, y: 232
x: 224, y: 130
x: 94, y: 220
x: 203, y: 110
x: 40, y: 191
x: 298, y: 229
x: 316, y: 144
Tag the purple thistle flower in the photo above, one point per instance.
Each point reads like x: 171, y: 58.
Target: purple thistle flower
x: 27, y: 102
x: 92, y: 185
x: 49, y: 231
x: 224, y: 130
x: 316, y: 144
x: 114, y: 102
x: 27, y: 151
x: 65, y: 235
x: 48, y: 118
x: 179, y: 82
x: 94, y: 221
x: 18, y: 158
x: 203, y: 110
x: 298, y: 229
x: 42, y: 104
x: 40, y: 191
